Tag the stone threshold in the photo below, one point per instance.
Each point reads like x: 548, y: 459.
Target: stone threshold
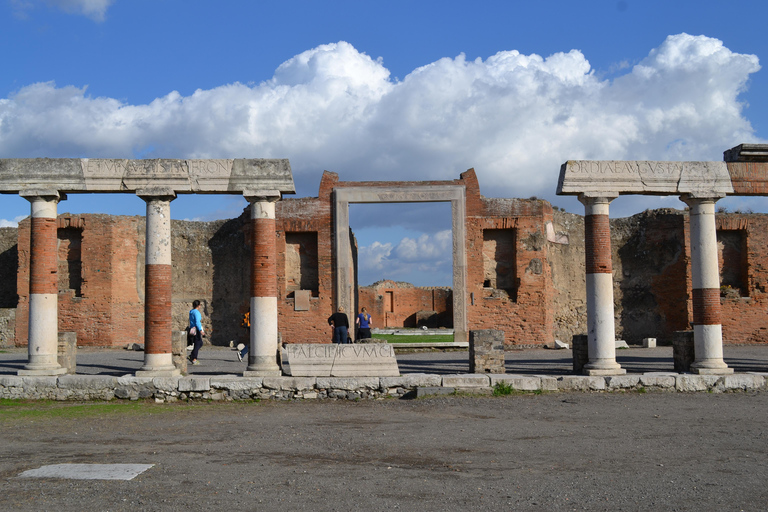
x: 234, y: 387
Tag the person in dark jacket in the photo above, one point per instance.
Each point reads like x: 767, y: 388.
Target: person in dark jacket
x: 340, y: 324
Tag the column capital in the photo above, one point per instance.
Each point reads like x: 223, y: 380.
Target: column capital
x: 693, y: 200
x: 589, y: 199
x: 262, y: 196
x: 161, y: 193
x: 44, y: 194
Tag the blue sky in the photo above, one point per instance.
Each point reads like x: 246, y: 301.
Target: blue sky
x: 382, y: 91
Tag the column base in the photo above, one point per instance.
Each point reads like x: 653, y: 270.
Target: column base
x: 603, y: 367
x: 264, y: 366
x: 159, y: 372
x: 711, y: 367
x: 42, y: 372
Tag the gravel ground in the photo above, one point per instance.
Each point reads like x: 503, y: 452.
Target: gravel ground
x: 223, y: 360
x: 550, y: 452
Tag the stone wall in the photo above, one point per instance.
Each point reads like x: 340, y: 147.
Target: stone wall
x: 398, y: 304
x: 525, y: 275
x: 229, y: 388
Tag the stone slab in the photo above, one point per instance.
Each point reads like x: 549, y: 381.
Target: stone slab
x: 348, y: 383
x: 613, y: 177
x: 423, y: 391
x: 354, y: 360
x: 119, y: 175
x: 517, y: 382
x: 581, y: 383
x: 622, y: 381
x: 88, y: 471
x: 467, y: 380
x: 87, y: 382
x: 301, y: 300
x: 410, y: 380
x: 194, y: 384
x: 289, y: 383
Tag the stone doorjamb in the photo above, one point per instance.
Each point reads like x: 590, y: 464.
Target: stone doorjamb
x: 456, y: 194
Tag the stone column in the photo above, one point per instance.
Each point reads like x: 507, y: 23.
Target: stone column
x: 705, y: 276
x: 601, y: 333
x: 158, y: 335
x: 43, y: 285
x: 262, y: 356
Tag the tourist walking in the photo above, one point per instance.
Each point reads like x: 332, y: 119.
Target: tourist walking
x: 195, y: 333
x: 246, y: 323
x: 363, y: 322
x: 340, y: 324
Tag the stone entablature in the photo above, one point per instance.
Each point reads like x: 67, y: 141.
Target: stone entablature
x: 597, y: 178
x: 74, y: 175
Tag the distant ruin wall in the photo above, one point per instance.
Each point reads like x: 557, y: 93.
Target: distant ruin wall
x: 525, y: 276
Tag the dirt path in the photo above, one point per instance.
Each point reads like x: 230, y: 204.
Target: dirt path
x: 670, y: 451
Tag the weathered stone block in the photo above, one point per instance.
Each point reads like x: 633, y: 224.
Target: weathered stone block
x: 87, y: 382
x: 324, y: 360
x: 517, y: 382
x: 622, y: 381
x: 468, y: 380
x: 486, y: 351
x: 289, y: 383
x: 683, y: 350
x: 654, y: 380
x: 348, y: 383
x: 237, y: 383
x: 696, y: 382
x: 581, y: 383
x: 194, y: 384
x: 67, y: 352
x: 410, y: 380
x: 579, y: 345
x: 745, y: 382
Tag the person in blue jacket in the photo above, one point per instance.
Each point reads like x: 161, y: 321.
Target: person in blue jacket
x: 363, y: 322
x: 196, y: 331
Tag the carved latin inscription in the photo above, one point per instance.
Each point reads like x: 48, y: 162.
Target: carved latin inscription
x: 612, y: 177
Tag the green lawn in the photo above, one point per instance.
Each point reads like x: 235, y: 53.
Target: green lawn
x: 404, y: 338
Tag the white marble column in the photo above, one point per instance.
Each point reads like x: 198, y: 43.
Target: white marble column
x: 158, y: 341
x: 43, y: 340
x: 262, y: 356
x: 705, y: 277
x: 601, y: 332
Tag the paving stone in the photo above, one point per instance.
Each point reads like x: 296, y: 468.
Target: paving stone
x: 466, y: 380
x: 88, y: 471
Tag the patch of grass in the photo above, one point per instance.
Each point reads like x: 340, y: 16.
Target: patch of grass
x: 405, y: 338
x: 26, y: 409
x: 502, y: 388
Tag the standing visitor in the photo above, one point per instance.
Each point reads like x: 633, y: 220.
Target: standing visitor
x: 340, y: 324
x: 364, y: 323
x: 196, y: 332
x: 246, y: 323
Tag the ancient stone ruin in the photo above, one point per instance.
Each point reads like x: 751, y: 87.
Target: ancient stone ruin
x: 520, y: 266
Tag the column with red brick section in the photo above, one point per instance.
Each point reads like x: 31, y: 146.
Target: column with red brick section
x: 705, y: 277
x: 601, y: 333
x: 262, y: 356
x: 43, y: 285
x: 158, y: 351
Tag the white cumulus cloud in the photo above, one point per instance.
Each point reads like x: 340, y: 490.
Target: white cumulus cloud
x: 513, y: 117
